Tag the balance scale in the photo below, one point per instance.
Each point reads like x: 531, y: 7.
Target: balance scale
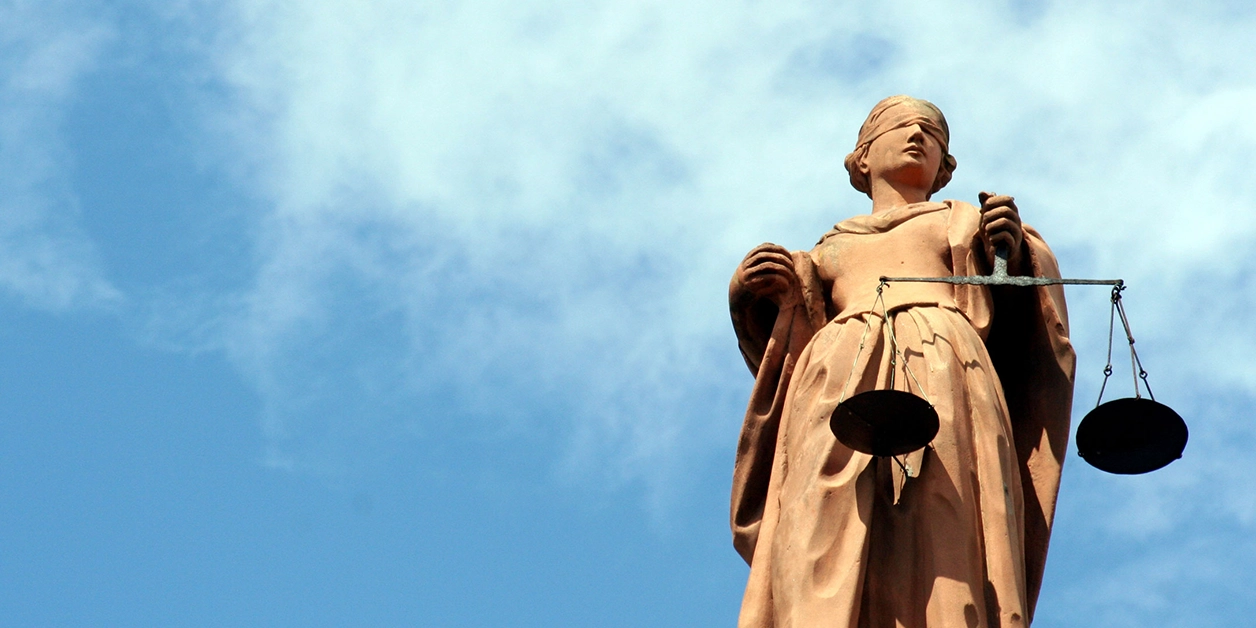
x: 1126, y: 436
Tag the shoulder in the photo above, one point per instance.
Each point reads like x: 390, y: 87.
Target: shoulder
x: 830, y: 233
x: 964, y: 219
x: 962, y: 207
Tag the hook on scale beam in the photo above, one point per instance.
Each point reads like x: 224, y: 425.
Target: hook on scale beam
x: 1124, y: 436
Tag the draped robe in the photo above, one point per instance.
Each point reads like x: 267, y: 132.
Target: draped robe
x: 951, y: 535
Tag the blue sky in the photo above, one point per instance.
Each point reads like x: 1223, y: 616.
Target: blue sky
x: 402, y: 313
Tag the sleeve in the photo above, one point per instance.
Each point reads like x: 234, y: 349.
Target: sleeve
x: 771, y: 340
x: 1030, y: 348
x: 1026, y: 332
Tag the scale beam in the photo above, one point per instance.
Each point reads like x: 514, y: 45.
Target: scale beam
x: 1008, y: 280
x: 1126, y: 436
x: 1000, y: 277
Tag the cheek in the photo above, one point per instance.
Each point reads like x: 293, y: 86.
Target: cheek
x: 935, y: 157
x: 883, y: 154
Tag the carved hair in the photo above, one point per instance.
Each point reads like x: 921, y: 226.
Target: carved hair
x: 893, y: 113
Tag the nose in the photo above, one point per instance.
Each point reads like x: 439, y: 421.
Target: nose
x: 917, y: 133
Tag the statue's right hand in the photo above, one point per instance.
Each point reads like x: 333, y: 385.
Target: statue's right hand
x: 767, y: 272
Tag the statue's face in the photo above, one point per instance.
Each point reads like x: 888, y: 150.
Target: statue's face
x: 907, y: 155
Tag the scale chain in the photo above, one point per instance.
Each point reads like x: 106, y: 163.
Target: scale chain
x: 894, y: 352
x: 894, y: 355
x: 1107, y: 370
x: 862, y: 338
x: 1136, y: 365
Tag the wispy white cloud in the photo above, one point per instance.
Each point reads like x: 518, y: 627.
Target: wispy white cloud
x: 570, y: 159
x: 522, y: 218
x: 45, y: 259
x: 545, y: 200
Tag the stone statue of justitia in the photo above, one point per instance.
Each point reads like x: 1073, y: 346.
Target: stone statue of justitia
x: 954, y: 534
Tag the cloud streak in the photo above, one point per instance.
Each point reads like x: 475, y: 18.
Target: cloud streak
x: 516, y: 220
x: 45, y: 259
x: 544, y: 201
x: 566, y: 158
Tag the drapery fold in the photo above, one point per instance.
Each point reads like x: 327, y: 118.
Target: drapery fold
x: 950, y: 535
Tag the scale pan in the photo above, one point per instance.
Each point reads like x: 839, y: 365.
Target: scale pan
x: 884, y: 422
x: 1131, y: 436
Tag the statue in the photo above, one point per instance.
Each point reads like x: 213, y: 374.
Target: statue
x: 954, y: 534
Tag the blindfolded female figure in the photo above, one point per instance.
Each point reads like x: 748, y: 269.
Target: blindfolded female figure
x: 954, y: 534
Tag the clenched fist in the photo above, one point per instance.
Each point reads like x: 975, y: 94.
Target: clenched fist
x: 1001, y: 226
x: 766, y: 272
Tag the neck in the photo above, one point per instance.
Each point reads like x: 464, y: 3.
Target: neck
x: 887, y: 195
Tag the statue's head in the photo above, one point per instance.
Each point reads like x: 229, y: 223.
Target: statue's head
x: 891, y: 114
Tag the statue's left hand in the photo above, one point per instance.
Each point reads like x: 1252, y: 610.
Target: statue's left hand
x: 766, y: 272
x: 1001, y: 226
